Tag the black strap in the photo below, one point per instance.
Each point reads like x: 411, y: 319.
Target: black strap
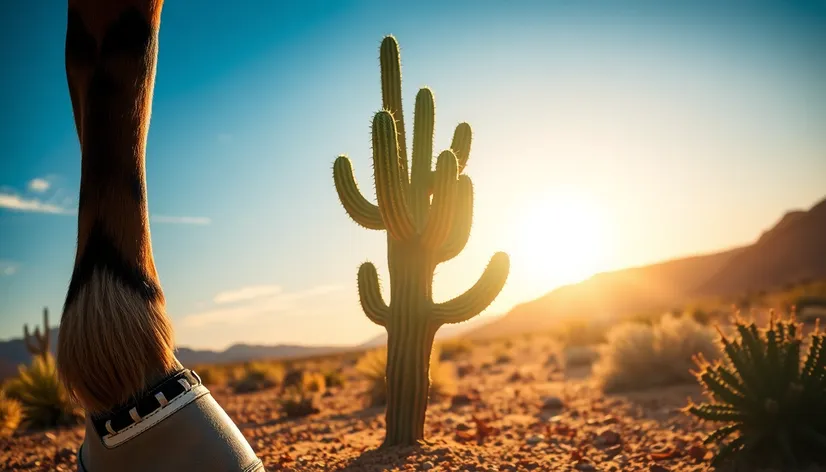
x: 146, y: 403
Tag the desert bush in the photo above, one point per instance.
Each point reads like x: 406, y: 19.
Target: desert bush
x: 580, y: 332
x: 639, y: 356
x: 296, y: 403
x: 333, y: 378
x: 771, y: 403
x: 258, y: 376
x: 501, y: 356
x: 46, y: 403
x: 314, y: 382
x: 579, y: 356
x: 293, y: 378
x: 11, y: 412
x: 213, y: 375
x: 454, y: 348
x: 373, y: 366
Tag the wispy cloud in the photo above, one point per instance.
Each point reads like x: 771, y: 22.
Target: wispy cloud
x: 39, y: 185
x: 14, y: 202
x: 181, y: 220
x: 247, y: 293
x: 58, y: 203
x: 8, y: 268
x: 247, y: 303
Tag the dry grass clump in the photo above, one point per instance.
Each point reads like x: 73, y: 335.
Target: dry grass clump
x: 44, y: 400
x: 579, y: 356
x: 573, y: 332
x: 638, y: 356
x: 214, y: 375
x: 454, y: 348
x: 11, y: 412
x: 258, y: 376
x: 297, y: 403
x: 313, y: 382
x: 333, y: 378
x: 373, y: 366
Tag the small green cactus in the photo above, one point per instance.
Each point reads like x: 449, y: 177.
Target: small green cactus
x: 771, y: 402
x: 420, y: 235
x: 46, y: 402
x: 38, y: 344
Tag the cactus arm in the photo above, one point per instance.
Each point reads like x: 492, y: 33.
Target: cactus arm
x: 390, y: 193
x: 462, y: 137
x: 420, y: 178
x: 391, y: 94
x: 478, y: 297
x: 27, y: 338
x: 44, y: 342
x: 370, y: 295
x: 462, y: 221
x: 440, y: 220
x: 38, y: 343
x: 359, y: 208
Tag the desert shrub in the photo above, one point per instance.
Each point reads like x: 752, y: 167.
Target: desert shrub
x: 639, y: 356
x: 11, y: 412
x: 771, y: 403
x: 333, y: 378
x: 314, y: 382
x: 302, y: 379
x: 454, y: 348
x: 258, y: 376
x: 213, y: 375
x: 580, y: 332
x: 501, y: 356
x: 293, y: 378
x: 579, y: 356
x: 46, y: 403
x: 648, y: 318
x: 296, y: 403
x: 373, y: 366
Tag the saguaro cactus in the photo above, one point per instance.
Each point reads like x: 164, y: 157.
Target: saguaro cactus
x: 38, y: 344
x: 420, y: 235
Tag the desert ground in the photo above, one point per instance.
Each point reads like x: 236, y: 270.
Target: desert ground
x: 515, y: 408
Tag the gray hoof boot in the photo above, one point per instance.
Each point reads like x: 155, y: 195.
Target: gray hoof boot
x: 176, y: 426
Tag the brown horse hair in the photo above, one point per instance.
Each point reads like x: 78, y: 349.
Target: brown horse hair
x: 115, y: 338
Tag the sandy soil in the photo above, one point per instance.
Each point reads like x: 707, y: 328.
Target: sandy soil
x: 512, y: 416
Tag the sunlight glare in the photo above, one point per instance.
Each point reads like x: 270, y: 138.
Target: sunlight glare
x: 558, y: 239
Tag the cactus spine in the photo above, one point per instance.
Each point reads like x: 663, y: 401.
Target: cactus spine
x: 38, y: 344
x: 420, y: 235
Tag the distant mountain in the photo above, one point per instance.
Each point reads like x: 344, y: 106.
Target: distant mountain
x: 247, y: 352
x: 13, y: 353
x: 791, y: 251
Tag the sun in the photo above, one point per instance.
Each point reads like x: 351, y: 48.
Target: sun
x: 558, y: 239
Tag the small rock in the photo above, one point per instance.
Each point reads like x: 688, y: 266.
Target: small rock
x: 427, y: 465
x: 552, y: 403
x: 658, y: 468
x: 607, y: 437
x: 697, y: 452
x: 461, y: 400
x: 535, y: 439
x: 584, y: 466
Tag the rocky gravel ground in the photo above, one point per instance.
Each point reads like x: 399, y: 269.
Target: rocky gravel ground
x: 512, y: 413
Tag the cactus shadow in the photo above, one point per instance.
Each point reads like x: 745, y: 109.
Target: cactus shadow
x: 383, y: 458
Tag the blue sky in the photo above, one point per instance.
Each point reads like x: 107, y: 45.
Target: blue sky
x: 606, y: 134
